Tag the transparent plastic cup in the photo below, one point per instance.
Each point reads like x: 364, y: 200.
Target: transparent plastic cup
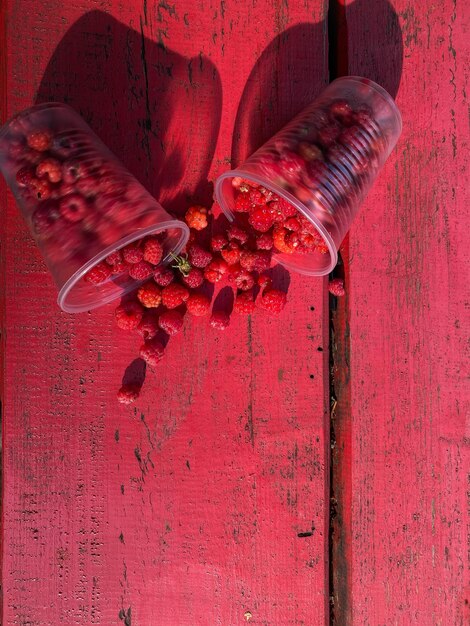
x: 79, y: 202
x: 323, y: 163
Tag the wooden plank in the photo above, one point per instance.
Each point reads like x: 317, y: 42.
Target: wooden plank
x: 400, y: 425
x: 207, y: 503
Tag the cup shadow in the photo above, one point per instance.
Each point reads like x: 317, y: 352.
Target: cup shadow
x: 157, y: 110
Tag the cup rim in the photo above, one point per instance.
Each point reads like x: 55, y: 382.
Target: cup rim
x: 32, y: 109
x: 300, y: 206
x: 78, y: 275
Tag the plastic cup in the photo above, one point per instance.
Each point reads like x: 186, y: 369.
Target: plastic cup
x: 323, y: 163
x: 79, y: 202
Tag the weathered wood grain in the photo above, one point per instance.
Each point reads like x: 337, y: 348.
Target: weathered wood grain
x: 401, y: 422
x: 208, y: 502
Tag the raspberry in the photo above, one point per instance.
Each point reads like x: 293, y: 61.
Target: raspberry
x: 25, y: 177
x: 280, y: 242
x: 42, y: 188
x: 174, y: 295
x: 256, y: 197
x: 111, y: 184
x: 198, y: 304
x: 149, y: 295
x: 219, y: 320
x: 244, y: 280
x: 119, y: 268
x: 314, y: 173
x: 273, y: 300
x: 218, y: 242
x: 73, y: 207
x: 244, y: 303
x: 114, y: 258
x: 264, y: 281
x: 310, y: 152
x: 196, y: 217
x: 336, y: 287
x: 128, y: 393
x: 215, y: 270
x: 281, y: 210
x: 148, y: 327
x: 88, y: 186
x: 231, y: 254
x: 292, y: 223
x: 291, y: 165
x: 242, y: 203
x: 140, y: 270
x: 152, y: 352
x: 264, y: 242
x: 98, y: 274
x: 363, y: 116
x: 163, y: 276
x: 39, y: 140
x: 133, y: 253
x: 263, y: 261
x: 153, y: 251
x: 328, y: 134
x: 248, y: 260
x: 50, y: 168
x: 198, y: 256
x: 194, y: 279
x: 341, y: 110
x: 237, y: 233
x: 128, y: 315
x: 261, y: 219
x: 45, y: 217
x: 171, y: 322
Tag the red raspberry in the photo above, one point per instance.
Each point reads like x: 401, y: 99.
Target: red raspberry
x: 148, y: 326
x: 273, y: 300
x: 98, y: 274
x: 119, y: 268
x: 292, y: 223
x: 163, y: 276
x: 171, y: 322
x: 281, y: 243
x: 267, y: 193
x: 310, y: 152
x: 336, y: 287
x: 73, y: 207
x: 140, y: 270
x: 174, y: 295
x: 198, y: 256
x: 153, y: 251
x: 114, y: 258
x: 219, y: 320
x: 261, y: 219
x: 363, y: 116
x: 244, y: 280
x: 237, y: 233
x: 45, y: 217
x: 25, y: 177
x: 314, y: 173
x: 264, y: 242
x: 244, y: 303
x: 218, y: 242
x: 88, y: 186
x: 198, y: 304
x: 341, y: 110
x: 152, y: 352
x: 149, y: 295
x: 256, y: 197
x: 72, y: 170
x: 39, y: 140
x: 292, y: 165
x: 231, y: 254
x: 242, y: 203
x: 215, y: 270
x: 50, y: 168
x: 112, y: 184
x: 128, y: 393
x: 42, y: 188
x: 264, y: 281
x: 328, y: 134
x: 248, y: 260
x: 263, y: 261
x: 196, y: 217
x: 194, y: 279
x: 129, y: 314
x: 133, y: 252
